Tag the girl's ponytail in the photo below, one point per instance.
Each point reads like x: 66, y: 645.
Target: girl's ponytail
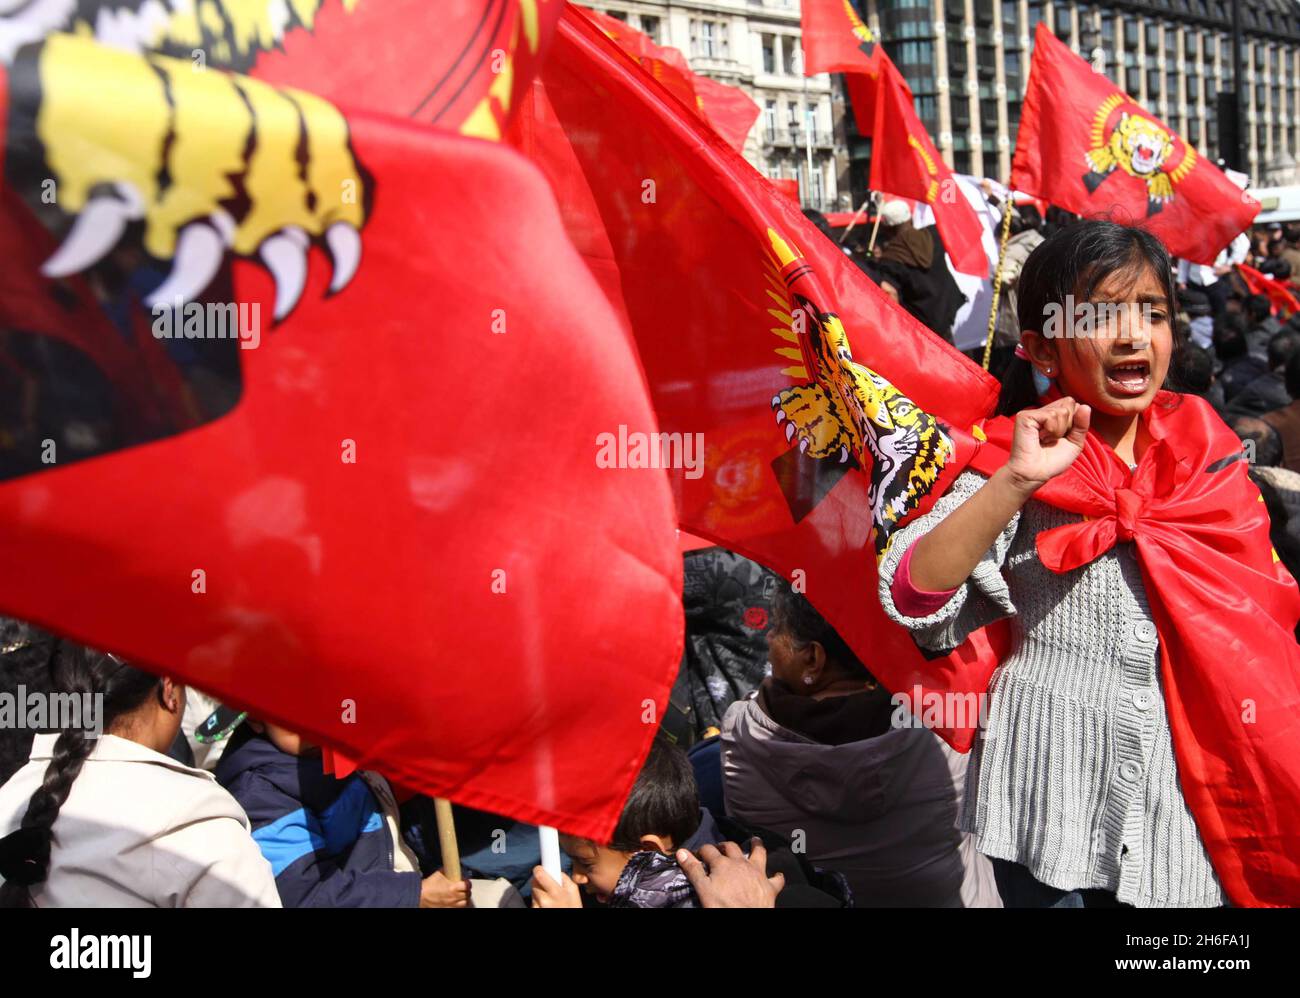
x: 25, y: 854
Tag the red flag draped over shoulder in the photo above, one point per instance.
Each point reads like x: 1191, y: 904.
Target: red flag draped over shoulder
x: 797, y: 396
x: 383, y: 522
x: 1087, y: 147
x: 1218, y: 594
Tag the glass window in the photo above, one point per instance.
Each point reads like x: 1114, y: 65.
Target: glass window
x: 916, y: 53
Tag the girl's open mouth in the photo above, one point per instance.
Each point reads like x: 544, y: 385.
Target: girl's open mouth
x: 1129, y: 378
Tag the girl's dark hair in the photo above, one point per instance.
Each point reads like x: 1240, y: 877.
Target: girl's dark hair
x: 797, y: 618
x: 25, y: 854
x: 1075, y: 260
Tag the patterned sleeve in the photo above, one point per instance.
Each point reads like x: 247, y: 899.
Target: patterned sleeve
x: 982, y: 599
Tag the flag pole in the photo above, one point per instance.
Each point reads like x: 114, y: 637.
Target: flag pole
x: 447, y: 839
x: 854, y: 220
x: 549, y: 839
x: 871, y: 245
x: 1007, y: 209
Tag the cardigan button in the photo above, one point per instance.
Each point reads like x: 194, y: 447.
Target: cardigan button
x: 1145, y: 630
x: 1130, y: 771
x: 1143, y: 700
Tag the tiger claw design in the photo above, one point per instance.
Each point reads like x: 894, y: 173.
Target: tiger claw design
x: 344, y: 243
x: 285, y: 256
x: 96, y: 231
x: 200, y: 249
x: 212, y: 163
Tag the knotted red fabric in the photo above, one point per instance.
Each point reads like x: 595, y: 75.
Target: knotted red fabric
x: 1225, y: 610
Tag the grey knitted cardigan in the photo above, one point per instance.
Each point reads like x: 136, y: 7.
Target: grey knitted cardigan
x: 1074, y: 775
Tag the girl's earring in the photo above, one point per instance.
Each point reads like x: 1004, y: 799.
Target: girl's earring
x: 807, y: 680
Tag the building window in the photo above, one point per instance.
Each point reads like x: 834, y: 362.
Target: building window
x: 708, y: 38
x: 916, y: 53
x: 769, y: 54
x: 650, y: 25
x: 769, y: 119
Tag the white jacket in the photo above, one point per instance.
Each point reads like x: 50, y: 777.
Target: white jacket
x: 140, y: 830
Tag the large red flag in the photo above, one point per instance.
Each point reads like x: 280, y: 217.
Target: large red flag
x: 808, y: 390
x: 1089, y: 148
x: 386, y: 521
x: 729, y: 110
x: 836, y: 40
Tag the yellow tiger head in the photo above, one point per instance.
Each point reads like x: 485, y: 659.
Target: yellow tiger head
x: 1140, y: 146
x: 908, y: 448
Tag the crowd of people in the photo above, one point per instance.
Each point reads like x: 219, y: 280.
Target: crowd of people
x: 782, y: 775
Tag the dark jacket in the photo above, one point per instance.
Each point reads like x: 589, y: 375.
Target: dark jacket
x: 931, y: 295
x: 1238, y: 373
x: 728, y: 602
x: 876, y: 803
x: 654, y: 880
x: 326, y: 839
x: 1265, y: 394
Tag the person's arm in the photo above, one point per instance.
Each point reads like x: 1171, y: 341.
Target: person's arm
x: 213, y: 862
x: 1045, y: 443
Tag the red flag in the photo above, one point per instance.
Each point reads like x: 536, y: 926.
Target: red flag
x: 748, y: 322
x: 788, y: 187
x: 1087, y: 147
x: 396, y: 521
x: 835, y: 39
x: 1279, y: 296
x: 729, y: 110
x: 905, y: 162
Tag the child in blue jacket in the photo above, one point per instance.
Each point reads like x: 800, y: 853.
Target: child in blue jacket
x: 331, y: 843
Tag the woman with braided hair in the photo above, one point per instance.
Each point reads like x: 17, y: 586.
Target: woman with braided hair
x: 111, y: 821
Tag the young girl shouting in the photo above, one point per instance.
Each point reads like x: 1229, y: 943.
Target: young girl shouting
x: 1143, y: 737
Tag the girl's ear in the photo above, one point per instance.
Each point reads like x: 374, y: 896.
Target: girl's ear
x: 1044, y: 352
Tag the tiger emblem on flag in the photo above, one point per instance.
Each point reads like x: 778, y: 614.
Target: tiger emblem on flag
x: 1138, y: 146
x: 844, y: 412
x: 866, y: 40
x: 139, y: 115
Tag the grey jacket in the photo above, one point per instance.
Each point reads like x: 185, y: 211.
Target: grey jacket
x: 883, y: 811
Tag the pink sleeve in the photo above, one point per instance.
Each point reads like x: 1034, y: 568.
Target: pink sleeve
x: 910, y: 601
